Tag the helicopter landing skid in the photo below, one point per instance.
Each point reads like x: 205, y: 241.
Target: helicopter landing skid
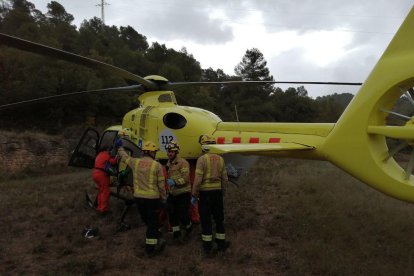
x: 122, y: 226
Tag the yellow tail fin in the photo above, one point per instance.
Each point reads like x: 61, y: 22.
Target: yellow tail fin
x: 360, y: 142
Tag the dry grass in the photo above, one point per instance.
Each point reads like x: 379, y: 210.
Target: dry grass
x: 289, y: 217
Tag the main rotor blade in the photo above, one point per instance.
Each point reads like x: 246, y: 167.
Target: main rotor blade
x: 40, y: 49
x: 113, y: 89
x: 170, y: 85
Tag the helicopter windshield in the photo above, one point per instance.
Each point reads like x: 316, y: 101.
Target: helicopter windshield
x: 166, y: 98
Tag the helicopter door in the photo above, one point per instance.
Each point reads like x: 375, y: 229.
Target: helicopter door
x: 131, y: 148
x: 108, y: 138
x: 84, y: 154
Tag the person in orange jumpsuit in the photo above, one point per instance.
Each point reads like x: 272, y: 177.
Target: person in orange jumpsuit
x: 101, y: 177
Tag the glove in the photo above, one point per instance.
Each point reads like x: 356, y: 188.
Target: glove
x: 123, y: 173
x: 118, y: 143
x: 170, y: 182
x: 194, y: 200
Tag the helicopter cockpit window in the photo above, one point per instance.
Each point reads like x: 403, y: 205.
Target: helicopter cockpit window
x: 165, y: 98
x: 108, y: 138
x: 84, y: 154
x: 131, y: 148
x: 174, y: 120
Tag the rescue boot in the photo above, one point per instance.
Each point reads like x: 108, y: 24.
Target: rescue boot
x: 188, y: 229
x: 150, y: 250
x: 222, y: 245
x: 177, y: 235
x: 207, y: 247
x: 160, y: 246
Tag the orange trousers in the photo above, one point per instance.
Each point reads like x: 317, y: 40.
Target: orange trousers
x: 102, y: 181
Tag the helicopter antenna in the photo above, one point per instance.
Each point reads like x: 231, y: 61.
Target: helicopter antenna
x: 237, y: 118
x: 102, y: 5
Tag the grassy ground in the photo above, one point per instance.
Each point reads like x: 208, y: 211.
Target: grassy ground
x: 289, y: 217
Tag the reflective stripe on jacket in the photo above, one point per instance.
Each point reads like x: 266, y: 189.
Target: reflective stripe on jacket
x: 179, y: 171
x: 147, y: 175
x: 210, y: 173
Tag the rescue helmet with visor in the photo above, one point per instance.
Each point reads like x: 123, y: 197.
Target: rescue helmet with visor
x: 172, y: 146
x: 149, y: 146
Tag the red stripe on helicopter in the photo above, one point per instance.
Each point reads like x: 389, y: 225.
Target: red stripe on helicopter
x: 236, y: 140
x: 254, y: 140
x: 274, y: 140
x: 221, y: 140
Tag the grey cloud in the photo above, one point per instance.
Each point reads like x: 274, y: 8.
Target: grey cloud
x: 292, y: 66
x: 353, y: 15
x: 187, y: 24
x: 184, y: 19
x: 187, y: 20
x: 190, y: 20
x: 371, y: 35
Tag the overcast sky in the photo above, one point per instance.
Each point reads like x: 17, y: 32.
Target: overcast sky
x: 302, y: 40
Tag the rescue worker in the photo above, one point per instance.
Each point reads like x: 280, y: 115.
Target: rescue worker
x: 101, y: 176
x: 209, y: 183
x: 149, y: 192
x: 178, y: 180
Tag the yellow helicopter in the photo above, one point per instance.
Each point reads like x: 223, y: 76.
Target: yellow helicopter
x: 358, y: 143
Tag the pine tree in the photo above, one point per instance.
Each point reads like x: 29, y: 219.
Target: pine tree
x: 253, y: 66
x: 252, y: 100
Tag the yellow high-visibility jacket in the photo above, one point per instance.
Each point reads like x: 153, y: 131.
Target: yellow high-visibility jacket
x: 179, y: 171
x: 147, y: 174
x: 210, y: 173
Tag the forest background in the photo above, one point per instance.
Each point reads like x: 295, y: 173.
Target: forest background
x: 25, y: 76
